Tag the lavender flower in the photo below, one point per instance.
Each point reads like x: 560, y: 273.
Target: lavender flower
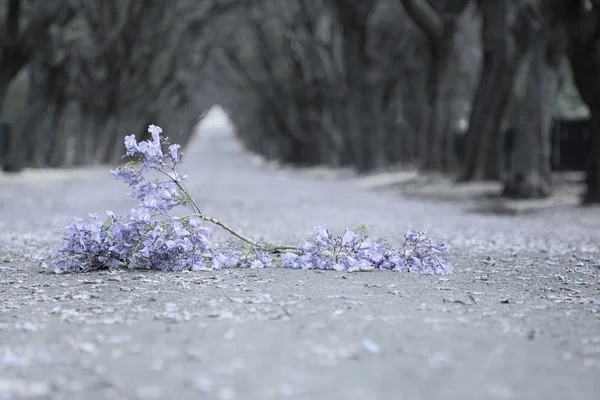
x: 148, y: 237
x: 88, y: 246
x: 421, y: 254
x: 329, y: 251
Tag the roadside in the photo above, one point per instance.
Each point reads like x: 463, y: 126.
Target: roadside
x: 481, y: 197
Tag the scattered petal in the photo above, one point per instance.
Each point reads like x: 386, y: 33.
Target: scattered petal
x: 370, y: 346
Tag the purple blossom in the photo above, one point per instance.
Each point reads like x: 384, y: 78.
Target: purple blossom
x: 329, y: 251
x: 128, y: 175
x: 175, y: 158
x: 88, y: 247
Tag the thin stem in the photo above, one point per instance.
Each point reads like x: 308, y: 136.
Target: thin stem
x: 196, y: 207
x: 246, y: 239
x: 282, y: 249
x: 201, y: 215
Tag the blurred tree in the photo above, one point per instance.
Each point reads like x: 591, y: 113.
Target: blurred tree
x: 357, y: 96
x: 506, y: 35
x: 24, y: 25
x: 438, y: 21
x: 530, y: 168
x: 583, y: 31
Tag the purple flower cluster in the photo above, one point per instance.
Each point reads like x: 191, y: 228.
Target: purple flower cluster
x: 354, y: 251
x: 158, y: 196
x: 148, y: 237
x: 134, y: 241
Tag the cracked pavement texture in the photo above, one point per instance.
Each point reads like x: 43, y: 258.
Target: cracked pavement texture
x: 519, y: 319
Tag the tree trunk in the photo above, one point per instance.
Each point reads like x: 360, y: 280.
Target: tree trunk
x: 592, y: 193
x: 29, y: 123
x: 492, y: 170
x: 415, y: 117
x: 353, y: 21
x: 439, y: 28
x: 439, y: 102
x: 530, y: 174
x: 59, y: 151
x: 584, y: 40
x: 504, y: 47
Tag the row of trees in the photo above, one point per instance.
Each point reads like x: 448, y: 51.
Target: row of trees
x: 88, y: 72
x: 368, y: 84
x: 377, y: 83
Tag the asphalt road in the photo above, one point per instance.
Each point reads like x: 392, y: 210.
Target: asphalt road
x: 519, y: 319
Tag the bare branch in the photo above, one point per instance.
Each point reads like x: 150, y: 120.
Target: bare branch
x: 426, y: 18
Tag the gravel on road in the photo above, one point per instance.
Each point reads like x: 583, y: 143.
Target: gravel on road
x: 519, y: 319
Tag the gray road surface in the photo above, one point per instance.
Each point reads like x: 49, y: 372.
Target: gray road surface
x: 520, y: 318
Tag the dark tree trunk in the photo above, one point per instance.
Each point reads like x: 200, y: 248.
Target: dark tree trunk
x: 353, y: 20
x: 439, y: 100
x: 584, y: 54
x: 59, y: 151
x: 530, y: 174
x: 505, y: 44
x: 440, y: 30
x: 23, y: 143
x: 20, y: 43
x: 415, y: 117
x: 592, y: 193
x: 33, y: 135
x: 12, y: 56
x: 492, y: 170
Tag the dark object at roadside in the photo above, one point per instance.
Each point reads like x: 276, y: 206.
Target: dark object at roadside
x: 571, y: 141
x: 5, y: 140
x: 460, y: 138
x: 460, y: 143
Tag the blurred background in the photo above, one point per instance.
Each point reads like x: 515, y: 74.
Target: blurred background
x: 505, y: 91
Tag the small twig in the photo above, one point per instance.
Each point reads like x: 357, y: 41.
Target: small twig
x: 276, y: 249
x: 203, y: 217
x: 195, y: 206
x: 283, y: 249
x: 227, y: 228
